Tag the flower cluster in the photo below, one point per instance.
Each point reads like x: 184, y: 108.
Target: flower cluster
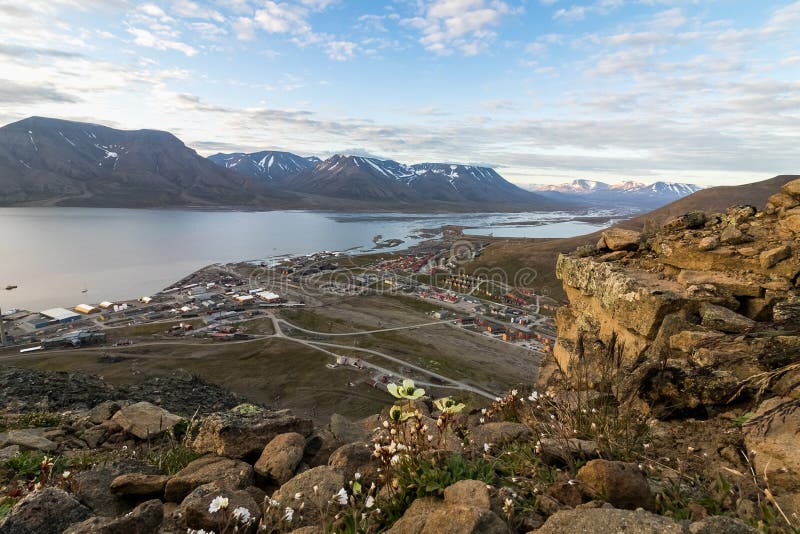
x: 236, y: 520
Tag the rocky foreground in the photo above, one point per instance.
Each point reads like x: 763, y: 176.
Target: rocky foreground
x: 670, y: 406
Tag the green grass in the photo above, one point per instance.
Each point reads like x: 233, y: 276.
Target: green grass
x: 172, y: 458
x: 31, y: 420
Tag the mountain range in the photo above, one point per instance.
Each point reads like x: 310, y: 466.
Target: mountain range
x: 628, y: 193
x: 45, y: 161
x: 378, y: 180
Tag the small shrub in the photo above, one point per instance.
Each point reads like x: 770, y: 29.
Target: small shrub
x: 27, y: 465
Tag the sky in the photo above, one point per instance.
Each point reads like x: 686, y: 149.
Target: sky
x: 546, y: 91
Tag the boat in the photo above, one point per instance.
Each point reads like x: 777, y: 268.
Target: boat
x: 9, y: 288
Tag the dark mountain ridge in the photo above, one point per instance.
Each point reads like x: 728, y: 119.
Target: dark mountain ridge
x: 57, y: 162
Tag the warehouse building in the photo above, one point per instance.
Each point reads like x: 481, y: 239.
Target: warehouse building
x: 61, y: 315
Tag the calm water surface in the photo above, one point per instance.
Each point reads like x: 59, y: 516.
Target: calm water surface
x: 52, y: 254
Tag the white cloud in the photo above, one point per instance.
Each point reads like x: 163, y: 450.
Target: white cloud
x: 145, y: 38
x: 189, y: 9
x: 458, y: 25
x: 340, y: 50
x: 282, y: 17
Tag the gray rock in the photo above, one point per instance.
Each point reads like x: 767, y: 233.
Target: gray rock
x: 328, y: 481
x: 139, y: 484
x: 720, y: 318
x: 607, y: 521
x: 225, y: 472
x: 731, y: 235
x: 91, y: 488
x: 472, y: 493
x: 354, y: 458
x: 9, y: 452
x: 47, y: 511
x: 145, y: 420
x: 619, y: 239
x: 245, y: 432
x: 27, y: 440
x: 720, y: 525
x: 144, y: 519
x: 103, y: 412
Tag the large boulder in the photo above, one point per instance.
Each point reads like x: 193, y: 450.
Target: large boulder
x: 27, y: 440
x: 225, y: 472
x: 144, y: 519
x: 608, y: 520
x: 792, y: 188
x: 620, y: 483
x: 144, y: 420
x: 300, y: 490
x: 281, y: 456
x: 91, y: 488
x: 619, y: 239
x: 47, y: 511
x: 244, y: 432
x: 772, y: 434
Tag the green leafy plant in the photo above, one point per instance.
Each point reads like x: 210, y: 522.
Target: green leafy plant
x: 6, y: 504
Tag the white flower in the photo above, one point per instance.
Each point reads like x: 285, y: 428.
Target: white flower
x: 219, y: 503
x: 288, y: 514
x: 534, y: 396
x: 316, y: 489
x: 273, y: 503
x: 341, y: 496
x: 394, y: 459
x: 65, y: 474
x: 298, y: 496
x: 357, y: 476
x: 242, y: 515
x: 487, y: 447
x: 514, y: 392
x: 482, y: 420
x: 370, y: 502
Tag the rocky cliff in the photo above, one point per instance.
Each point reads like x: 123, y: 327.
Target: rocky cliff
x: 693, y: 310
x: 696, y: 320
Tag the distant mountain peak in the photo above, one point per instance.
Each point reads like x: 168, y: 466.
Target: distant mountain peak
x: 628, y: 192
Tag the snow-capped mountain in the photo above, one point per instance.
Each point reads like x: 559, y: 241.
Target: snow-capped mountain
x: 638, y: 194
x: 266, y: 165
x: 364, y: 178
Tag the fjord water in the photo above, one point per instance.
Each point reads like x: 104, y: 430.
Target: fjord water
x: 53, y: 254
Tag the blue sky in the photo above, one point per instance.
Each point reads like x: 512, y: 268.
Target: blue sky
x: 544, y: 90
